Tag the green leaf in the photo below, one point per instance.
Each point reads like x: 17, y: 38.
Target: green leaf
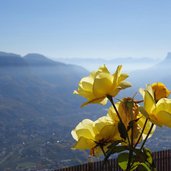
x: 123, y: 160
x: 118, y: 149
x: 139, y: 155
x: 114, y: 149
x: 114, y: 144
x: 122, y: 130
x: 144, y: 167
x: 149, y: 157
x: 131, y: 124
x: 134, y: 166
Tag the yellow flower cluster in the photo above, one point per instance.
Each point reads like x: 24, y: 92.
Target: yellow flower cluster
x: 94, y: 135
x: 101, y: 83
x: 157, y: 107
x: 126, y: 121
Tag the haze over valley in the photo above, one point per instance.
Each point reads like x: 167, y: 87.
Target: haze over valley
x: 130, y: 64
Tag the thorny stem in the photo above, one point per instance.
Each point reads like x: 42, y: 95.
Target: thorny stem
x: 130, y: 152
x: 111, y: 100
x: 120, y: 119
x: 141, y: 133
x: 147, y: 136
x: 104, y: 153
x: 131, y: 145
x: 130, y: 155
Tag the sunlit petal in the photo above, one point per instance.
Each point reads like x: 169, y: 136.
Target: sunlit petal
x: 84, y: 144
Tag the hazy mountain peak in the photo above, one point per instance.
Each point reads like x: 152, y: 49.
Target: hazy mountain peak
x: 166, y: 60
x: 8, y: 54
x: 11, y: 59
x: 38, y: 59
x: 168, y: 57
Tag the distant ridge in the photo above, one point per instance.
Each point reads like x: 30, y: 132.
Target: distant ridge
x: 39, y: 60
x: 37, y: 111
x: 159, y: 72
x: 11, y: 59
x: 31, y: 59
x: 168, y: 57
x: 165, y: 62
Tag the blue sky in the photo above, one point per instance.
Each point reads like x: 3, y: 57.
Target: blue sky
x: 86, y: 28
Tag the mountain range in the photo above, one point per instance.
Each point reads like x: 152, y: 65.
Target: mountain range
x: 38, y: 110
x: 159, y: 72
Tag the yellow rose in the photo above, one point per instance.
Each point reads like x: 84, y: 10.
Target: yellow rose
x: 160, y: 91
x: 98, y: 85
x: 159, y: 112
x: 126, y: 112
x: 129, y: 111
x: 94, y: 135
